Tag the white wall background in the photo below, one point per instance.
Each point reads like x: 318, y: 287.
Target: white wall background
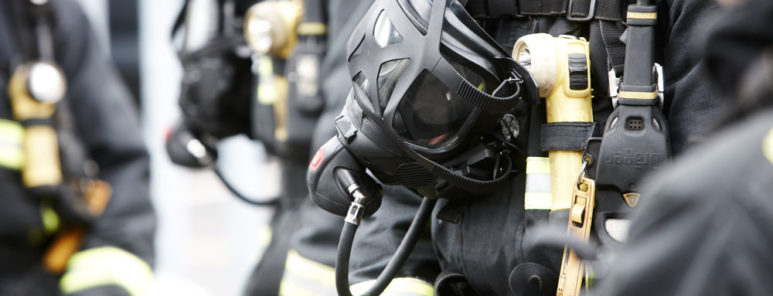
x: 207, y: 241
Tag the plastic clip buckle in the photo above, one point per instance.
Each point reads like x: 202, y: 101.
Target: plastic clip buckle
x: 591, y: 12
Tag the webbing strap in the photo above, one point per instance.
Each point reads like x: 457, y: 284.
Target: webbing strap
x: 565, y: 135
x: 492, y: 8
x: 615, y: 48
x: 542, y: 7
x: 609, y: 10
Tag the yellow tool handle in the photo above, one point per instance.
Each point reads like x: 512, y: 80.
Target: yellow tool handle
x: 41, y: 162
x: 564, y: 104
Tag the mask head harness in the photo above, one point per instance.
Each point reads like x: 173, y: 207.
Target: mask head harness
x: 429, y: 89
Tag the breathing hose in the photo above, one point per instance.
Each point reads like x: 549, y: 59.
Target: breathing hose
x: 274, y: 201
x: 394, y: 265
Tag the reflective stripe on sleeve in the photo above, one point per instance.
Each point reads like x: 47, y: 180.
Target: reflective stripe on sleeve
x: 106, y: 266
x: 538, y: 194
x: 398, y: 287
x: 767, y: 146
x: 11, y: 137
x: 305, y: 277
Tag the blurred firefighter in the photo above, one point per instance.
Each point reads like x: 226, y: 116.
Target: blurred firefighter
x: 274, y: 94
x: 76, y: 216
x: 704, y: 225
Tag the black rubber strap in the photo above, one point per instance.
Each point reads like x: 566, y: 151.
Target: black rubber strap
x: 491, y: 103
x: 565, y: 135
x: 466, y: 183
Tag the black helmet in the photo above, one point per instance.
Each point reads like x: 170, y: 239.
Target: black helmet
x: 429, y: 88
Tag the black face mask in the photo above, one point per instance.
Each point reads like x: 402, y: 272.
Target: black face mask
x: 217, y: 80
x: 216, y: 90
x: 429, y: 89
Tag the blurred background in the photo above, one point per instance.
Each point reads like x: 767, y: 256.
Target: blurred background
x: 207, y: 241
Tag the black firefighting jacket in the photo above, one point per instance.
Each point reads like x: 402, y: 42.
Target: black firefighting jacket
x: 95, y: 120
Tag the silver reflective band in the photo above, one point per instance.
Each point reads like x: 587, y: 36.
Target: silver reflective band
x: 538, y: 194
x: 46, y: 82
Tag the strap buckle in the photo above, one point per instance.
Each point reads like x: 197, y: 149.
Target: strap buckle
x: 591, y: 12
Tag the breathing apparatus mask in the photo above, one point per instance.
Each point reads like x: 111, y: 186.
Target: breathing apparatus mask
x: 217, y: 81
x: 430, y: 88
x: 217, y: 86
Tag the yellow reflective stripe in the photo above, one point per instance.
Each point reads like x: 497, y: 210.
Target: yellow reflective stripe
x: 291, y: 289
x: 265, y: 89
x: 642, y: 15
x: 638, y: 95
x: 11, y: 137
x: 537, y: 165
x: 538, y: 201
x: 398, y: 287
x: 309, y: 269
x: 106, y: 266
x: 49, y: 217
x: 303, y: 276
x: 312, y: 28
x: 264, y: 238
x: 767, y: 146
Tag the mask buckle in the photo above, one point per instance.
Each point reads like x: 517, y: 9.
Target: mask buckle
x: 588, y: 17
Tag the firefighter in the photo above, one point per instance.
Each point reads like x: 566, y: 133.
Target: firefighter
x: 296, y: 60
x: 704, y: 221
x: 76, y: 216
x: 443, y: 150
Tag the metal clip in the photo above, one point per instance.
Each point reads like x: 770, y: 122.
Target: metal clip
x: 614, y: 86
x: 585, y: 162
x: 659, y: 73
x: 579, y: 226
x: 591, y: 12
